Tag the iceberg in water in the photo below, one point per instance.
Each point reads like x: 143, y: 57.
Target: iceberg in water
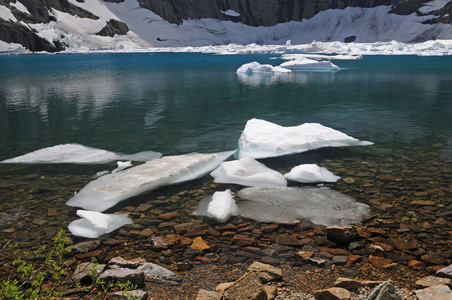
x: 94, y: 224
x: 220, y: 206
x: 311, y: 173
x: 256, y: 68
x: 307, y: 64
x: 261, y: 139
x: 108, y: 190
x: 78, y: 154
x: 247, y: 171
x: 321, y: 206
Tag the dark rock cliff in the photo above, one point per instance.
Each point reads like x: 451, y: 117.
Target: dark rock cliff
x: 251, y: 12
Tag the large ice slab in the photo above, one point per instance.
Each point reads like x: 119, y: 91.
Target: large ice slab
x: 219, y: 206
x: 78, y: 154
x: 94, y: 224
x: 248, y: 171
x: 261, y: 139
x: 306, y: 64
x: 108, y: 190
x: 322, y: 206
x: 311, y: 173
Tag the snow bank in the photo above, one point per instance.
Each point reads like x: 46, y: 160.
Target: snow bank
x: 220, y: 206
x: 255, y: 67
x: 94, y: 224
x: 262, y: 139
x: 247, y: 171
x: 78, y: 154
x: 307, y: 64
x: 311, y: 173
x: 107, y: 191
x: 322, y: 206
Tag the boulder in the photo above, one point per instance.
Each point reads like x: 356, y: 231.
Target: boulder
x: 334, y: 293
x: 385, y: 291
x: 436, y: 292
x: 265, y: 272
x: 123, y: 275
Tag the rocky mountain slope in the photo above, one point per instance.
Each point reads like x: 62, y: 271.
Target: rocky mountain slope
x: 29, y: 22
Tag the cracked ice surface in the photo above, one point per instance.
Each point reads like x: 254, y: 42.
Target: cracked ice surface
x: 321, y: 206
x: 261, y: 139
x: 107, y: 191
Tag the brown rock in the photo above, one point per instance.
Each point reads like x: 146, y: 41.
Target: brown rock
x: 405, y: 245
x: 208, y: 295
x: 199, y: 244
x: 379, y: 262
x: 416, y: 265
x: 433, y: 259
x: 223, y: 286
x: 265, y: 272
x: 436, y: 292
x: 335, y: 293
x: 341, y: 235
x: 168, y: 216
x: 248, y: 286
x: 243, y: 240
x: 286, y: 239
x: 185, y: 241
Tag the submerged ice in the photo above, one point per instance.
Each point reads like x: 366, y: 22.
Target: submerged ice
x: 78, y: 154
x: 319, y: 205
x: 247, y: 171
x: 94, y: 224
x: 107, y: 191
x: 261, y: 139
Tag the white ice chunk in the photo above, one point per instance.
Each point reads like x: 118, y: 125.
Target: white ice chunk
x: 433, y: 5
x: 231, y: 13
x: 78, y: 154
x: 307, y: 64
x: 94, y: 224
x: 220, y: 206
x: 108, y: 190
x: 256, y: 68
x: 322, y: 206
x: 311, y: 173
x: 247, y: 171
x: 262, y: 139
x: 122, y: 165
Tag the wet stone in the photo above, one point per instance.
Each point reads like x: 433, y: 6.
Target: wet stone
x: 433, y: 280
x: 84, y: 247
x: 334, y: 293
x: 436, y: 292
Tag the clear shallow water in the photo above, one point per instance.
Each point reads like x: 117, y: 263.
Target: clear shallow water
x: 176, y: 103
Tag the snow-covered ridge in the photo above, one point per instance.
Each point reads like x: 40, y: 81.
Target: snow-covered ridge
x: 149, y: 32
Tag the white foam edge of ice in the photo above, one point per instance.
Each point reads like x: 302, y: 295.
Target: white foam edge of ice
x: 311, y: 173
x: 318, y: 205
x: 78, y: 154
x: 320, y: 57
x: 262, y: 139
x: 108, y: 190
x: 249, y: 172
x: 94, y: 224
x: 219, y: 206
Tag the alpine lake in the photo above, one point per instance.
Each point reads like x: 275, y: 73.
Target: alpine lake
x: 178, y: 103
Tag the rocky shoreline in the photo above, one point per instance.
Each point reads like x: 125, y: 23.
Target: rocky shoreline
x: 405, y: 239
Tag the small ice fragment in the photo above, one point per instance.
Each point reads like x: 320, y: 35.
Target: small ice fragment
x: 248, y: 171
x: 122, y: 165
x: 94, y: 224
x: 220, y: 206
x: 311, y: 173
x: 256, y: 68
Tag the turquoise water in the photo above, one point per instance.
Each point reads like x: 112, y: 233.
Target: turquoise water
x: 176, y: 103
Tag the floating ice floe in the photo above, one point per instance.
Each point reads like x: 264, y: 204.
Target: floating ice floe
x: 311, y: 173
x: 306, y: 64
x: 247, y: 171
x: 256, y: 68
x: 108, y: 190
x: 94, y: 224
x: 320, y: 57
x: 261, y: 139
x: 122, y: 165
x: 78, y: 154
x: 321, y: 206
x: 220, y: 206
